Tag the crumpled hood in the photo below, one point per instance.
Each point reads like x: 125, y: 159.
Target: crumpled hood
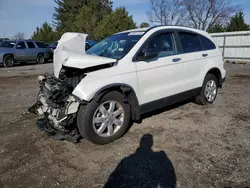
x: 84, y: 61
x: 70, y: 52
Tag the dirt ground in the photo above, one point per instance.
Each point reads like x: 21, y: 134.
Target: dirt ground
x: 193, y: 146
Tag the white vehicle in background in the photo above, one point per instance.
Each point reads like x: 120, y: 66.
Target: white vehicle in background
x: 97, y: 93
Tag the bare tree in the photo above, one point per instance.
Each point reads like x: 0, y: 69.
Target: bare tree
x: 203, y: 14
x: 18, y: 36
x: 167, y: 12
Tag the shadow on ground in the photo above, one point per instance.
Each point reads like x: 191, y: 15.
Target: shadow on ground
x: 145, y: 168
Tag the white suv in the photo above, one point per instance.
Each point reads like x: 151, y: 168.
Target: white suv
x: 97, y: 93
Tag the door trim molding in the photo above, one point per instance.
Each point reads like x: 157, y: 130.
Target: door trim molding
x: 166, y: 101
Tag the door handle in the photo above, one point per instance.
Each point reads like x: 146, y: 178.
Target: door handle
x: 204, y: 55
x: 176, y: 59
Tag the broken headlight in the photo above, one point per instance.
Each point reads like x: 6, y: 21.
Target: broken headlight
x: 71, y: 76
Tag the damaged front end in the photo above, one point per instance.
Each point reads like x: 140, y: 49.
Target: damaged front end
x: 55, y: 101
x: 58, y: 107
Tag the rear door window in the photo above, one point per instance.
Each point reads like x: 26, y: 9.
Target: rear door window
x: 190, y: 42
x: 208, y: 44
x: 31, y: 45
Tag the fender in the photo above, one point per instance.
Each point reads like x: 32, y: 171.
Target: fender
x: 216, y: 71
x: 9, y: 54
x: 129, y: 97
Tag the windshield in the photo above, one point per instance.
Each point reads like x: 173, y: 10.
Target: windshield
x: 116, y: 46
x: 7, y: 44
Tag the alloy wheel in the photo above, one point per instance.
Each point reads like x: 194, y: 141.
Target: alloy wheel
x: 108, y: 118
x: 210, y: 90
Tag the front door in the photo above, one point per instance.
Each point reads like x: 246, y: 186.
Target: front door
x: 162, y: 76
x: 21, y: 52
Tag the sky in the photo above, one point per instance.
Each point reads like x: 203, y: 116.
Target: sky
x: 25, y: 15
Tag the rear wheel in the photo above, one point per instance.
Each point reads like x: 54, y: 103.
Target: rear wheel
x: 40, y: 59
x: 104, y: 121
x: 8, y: 61
x: 209, y: 90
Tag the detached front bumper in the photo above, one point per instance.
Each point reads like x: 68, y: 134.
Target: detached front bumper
x: 58, y: 108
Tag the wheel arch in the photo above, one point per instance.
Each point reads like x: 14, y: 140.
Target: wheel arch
x: 217, y: 73
x: 39, y: 53
x: 9, y: 54
x: 129, y: 97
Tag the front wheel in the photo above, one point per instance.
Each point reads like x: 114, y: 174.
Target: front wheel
x: 8, y: 61
x: 209, y: 90
x: 104, y: 121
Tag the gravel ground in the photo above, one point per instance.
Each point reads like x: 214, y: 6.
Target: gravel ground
x: 192, y: 145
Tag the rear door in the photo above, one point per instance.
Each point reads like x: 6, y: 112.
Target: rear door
x: 160, y: 77
x: 194, y: 59
x: 31, y: 50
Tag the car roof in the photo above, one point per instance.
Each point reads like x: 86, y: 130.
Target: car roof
x: 136, y: 30
x: 160, y: 27
x: 29, y: 40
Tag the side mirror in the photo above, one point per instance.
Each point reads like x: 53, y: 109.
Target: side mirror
x: 148, y: 54
x: 19, y: 47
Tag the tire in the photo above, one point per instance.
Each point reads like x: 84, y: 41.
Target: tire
x: 89, y: 129
x: 203, y: 98
x: 8, y: 61
x: 40, y: 59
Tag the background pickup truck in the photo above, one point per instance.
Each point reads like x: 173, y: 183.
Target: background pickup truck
x: 12, y: 52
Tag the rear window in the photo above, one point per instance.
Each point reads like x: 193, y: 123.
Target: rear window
x: 208, y: 44
x: 41, y: 45
x: 190, y: 42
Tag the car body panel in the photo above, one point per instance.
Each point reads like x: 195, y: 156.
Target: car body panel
x: 85, y: 61
x: 70, y: 51
x: 159, y: 78
x: 21, y: 54
x: 70, y: 44
x: 172, y: 77
x: 118, y: 74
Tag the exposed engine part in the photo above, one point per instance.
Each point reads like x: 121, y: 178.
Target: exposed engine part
x: 73, y: 76
x: 58, y: 107
x: 55, y: 91
x: 56, y: 103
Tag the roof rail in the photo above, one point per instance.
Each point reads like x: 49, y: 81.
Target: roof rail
x: 173, y: 25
